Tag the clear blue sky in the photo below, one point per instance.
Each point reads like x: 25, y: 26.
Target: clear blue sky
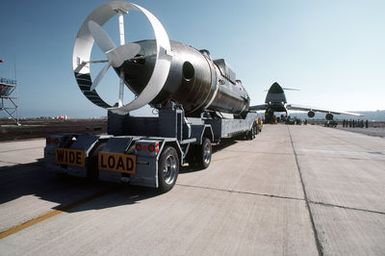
x: 334, y: 51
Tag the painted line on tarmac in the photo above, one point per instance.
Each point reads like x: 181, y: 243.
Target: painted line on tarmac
x: 52, y: 213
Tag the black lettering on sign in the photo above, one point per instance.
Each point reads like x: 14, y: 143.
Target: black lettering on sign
x: 102, y: 161
x: 129, y: 164
x: 73, y: 157
x: 117, y: 162
x: 120, y: 166
x: 111, y: 162
x: 60, y: 155
x: 78, y: 157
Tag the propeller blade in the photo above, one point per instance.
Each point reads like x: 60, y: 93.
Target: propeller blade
x: 161, y: 68
x: 121, y: 91
x: 92, y: 32
x: 122, y: 53
x: 100, y: 36
x: 290, y: 89
x: 100, y: 76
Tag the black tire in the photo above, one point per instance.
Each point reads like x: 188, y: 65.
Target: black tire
x: 201, y: 155
x: 257, y: 129
x: 250, y: 135
x: 168, y: 169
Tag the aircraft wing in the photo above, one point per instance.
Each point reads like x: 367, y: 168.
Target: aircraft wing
x: 258, y: 107
x: 308, y: 108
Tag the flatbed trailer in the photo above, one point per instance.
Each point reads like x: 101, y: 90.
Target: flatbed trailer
x: 145, y: 151
x: 186, y: 85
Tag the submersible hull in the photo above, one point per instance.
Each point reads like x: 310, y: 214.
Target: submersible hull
x: 195, y: 81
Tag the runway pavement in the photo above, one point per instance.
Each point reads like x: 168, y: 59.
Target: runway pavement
x: 294, y: 190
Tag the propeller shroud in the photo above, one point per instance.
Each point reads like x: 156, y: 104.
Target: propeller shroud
x: 91, y: 32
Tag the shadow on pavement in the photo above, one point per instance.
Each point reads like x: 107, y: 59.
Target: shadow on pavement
x: 73, y: 193
x: 69, y: 193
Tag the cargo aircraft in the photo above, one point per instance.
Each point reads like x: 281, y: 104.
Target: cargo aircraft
x: 276, y: 102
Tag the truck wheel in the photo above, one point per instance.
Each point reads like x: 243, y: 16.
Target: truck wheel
x: 250, y: 135
x: 168, y: 169
x: 202, y: 155
x: 256, y: 129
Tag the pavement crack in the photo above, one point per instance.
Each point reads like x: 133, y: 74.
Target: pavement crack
x: 241, y: 192
x: 307, y: 201
x: 253, y: 153
x: 347, y: 207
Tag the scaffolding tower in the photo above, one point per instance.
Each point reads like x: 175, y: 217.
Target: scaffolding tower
x: 8, y: 98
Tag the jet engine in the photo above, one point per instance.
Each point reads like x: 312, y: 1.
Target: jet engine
x: 329, y: 116
x: 156, y: 71
x: 311, y: 114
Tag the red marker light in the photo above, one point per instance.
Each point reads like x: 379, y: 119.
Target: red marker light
x: 157, y: 148
x: 138, y: 147
x: 151, y: 148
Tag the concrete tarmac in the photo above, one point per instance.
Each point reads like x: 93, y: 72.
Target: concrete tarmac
x: 294, y: 190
